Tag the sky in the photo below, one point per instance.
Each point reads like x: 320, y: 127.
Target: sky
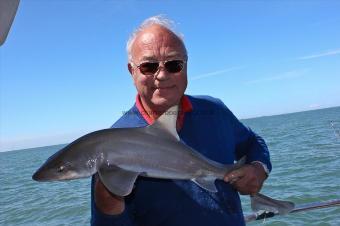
x: 63, y: 67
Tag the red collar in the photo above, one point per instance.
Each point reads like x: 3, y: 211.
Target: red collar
x: 184, y: 107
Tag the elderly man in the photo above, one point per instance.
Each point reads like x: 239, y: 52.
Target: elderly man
x: 158, y: 65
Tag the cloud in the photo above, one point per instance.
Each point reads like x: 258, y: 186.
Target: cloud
x: 24, y: 142
x: 283, y: 76
x: 314, y: 106
x: 318, y: 55
x: 210, y: 74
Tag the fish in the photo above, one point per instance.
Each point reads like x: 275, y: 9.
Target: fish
x: 120, y: 155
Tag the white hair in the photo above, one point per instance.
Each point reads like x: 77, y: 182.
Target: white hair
x: 159, y: 20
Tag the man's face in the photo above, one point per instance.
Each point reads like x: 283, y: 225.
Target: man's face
x: 163, y: 89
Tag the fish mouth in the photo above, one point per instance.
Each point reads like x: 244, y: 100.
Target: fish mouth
x: 38, y: 176
x: 43, y: 176
x: 35, y: 177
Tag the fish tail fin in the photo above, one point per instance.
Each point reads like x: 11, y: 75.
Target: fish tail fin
x: 261, y: 202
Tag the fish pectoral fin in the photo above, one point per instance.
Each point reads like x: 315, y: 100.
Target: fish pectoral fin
x: 261, y: 202
x: 117, y: 180
x: 207, y: 183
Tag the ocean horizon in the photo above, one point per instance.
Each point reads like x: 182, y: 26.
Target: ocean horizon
x: 241, y: 119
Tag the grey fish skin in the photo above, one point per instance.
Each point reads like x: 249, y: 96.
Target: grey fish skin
x: 147, y: 151
x: 121, y: 155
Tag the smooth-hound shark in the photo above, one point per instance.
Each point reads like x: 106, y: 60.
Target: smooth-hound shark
x: 120, y: 155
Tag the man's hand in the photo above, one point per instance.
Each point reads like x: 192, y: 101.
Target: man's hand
x: 248, y: 179
x: 107, y: 202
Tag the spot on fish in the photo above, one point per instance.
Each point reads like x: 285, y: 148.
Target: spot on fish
x: 91, y: 163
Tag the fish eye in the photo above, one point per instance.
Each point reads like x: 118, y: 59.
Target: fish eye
x: 60, y: 169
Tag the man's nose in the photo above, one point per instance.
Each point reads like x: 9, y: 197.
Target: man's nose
x: 162, y: 73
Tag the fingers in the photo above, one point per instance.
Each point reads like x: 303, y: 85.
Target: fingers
x: 244, y: 180
x: 107, y: 202
x: 239, y: 186
x: 246, y: 186
x: 234, y: 176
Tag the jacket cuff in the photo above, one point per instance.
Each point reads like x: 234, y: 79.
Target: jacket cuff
x: 265, y: 168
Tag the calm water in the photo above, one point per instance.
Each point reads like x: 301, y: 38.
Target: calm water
x: 305, y: 151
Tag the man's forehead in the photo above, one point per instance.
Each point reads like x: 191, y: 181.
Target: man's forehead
x: 157, y: 40
x: 156, y: 31
x: 168, y: 55
x: 146, y: 38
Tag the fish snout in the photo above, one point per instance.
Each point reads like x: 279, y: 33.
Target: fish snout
x: 41, y: 175
x: 37, y: 176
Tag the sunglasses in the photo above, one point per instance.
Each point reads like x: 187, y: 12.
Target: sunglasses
x: 151, y: 68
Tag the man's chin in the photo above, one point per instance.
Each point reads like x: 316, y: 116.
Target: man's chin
x: 162, y: 102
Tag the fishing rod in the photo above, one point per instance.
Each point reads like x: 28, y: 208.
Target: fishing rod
x: 288, y: 207
x: 336, y: 130
x: 304, y: 207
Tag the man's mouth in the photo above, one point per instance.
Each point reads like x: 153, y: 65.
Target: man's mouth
x: 164, y: 87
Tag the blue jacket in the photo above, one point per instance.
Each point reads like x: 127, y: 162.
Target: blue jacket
x: 211, y: 129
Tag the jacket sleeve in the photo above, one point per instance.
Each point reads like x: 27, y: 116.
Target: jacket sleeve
x: 101, y: 219
x: 247, y: 143
x: 252, y: 146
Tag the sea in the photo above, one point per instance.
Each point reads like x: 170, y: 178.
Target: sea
x: 305, y: 153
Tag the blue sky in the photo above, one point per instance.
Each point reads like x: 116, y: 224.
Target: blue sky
x: 63, y: 67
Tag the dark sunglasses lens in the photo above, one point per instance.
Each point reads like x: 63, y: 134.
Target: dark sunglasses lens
x: 148, y: 68
x: 174, y: 66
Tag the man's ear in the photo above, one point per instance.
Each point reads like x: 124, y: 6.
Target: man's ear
x: 130, y: 68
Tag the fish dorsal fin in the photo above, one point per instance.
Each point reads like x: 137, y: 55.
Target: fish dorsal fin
x: 165, y: 125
